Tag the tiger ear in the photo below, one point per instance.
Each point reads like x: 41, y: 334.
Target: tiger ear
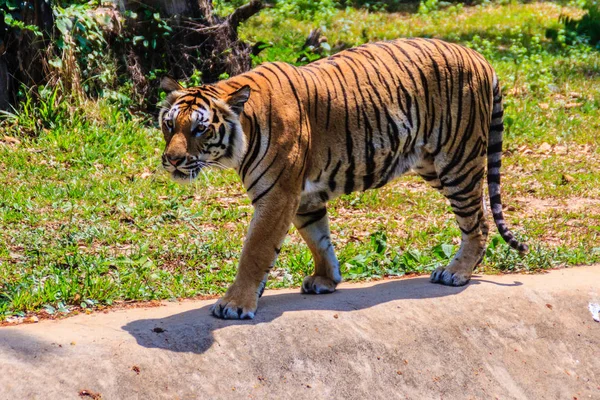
x: 237, y: 99
x: 169, y: 84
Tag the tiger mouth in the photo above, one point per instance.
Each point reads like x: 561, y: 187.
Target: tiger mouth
x: 185, y: 176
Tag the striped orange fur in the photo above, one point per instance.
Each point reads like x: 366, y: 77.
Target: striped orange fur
x: 301, y: 136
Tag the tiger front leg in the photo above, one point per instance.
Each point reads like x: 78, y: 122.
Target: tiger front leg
x: 268, y: 228
x: 313, y: 225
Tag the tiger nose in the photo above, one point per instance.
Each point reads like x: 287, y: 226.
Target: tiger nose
x: 174, y: 161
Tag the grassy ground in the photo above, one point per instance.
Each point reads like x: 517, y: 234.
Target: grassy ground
x: 89, y: 219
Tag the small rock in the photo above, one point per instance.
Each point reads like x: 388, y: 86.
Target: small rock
x: 595, y: 310
x: 15, y: 320
x: 91, y: 394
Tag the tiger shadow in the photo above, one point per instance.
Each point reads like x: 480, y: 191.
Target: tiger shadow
x: 192, y: 331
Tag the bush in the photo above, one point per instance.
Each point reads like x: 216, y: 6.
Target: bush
x: 586, y: 29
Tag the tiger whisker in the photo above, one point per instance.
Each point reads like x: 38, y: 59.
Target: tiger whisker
x: 217, y: 164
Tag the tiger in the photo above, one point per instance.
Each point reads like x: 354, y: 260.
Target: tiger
x: 300, y: 136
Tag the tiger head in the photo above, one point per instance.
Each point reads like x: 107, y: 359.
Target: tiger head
x: 201, y: 126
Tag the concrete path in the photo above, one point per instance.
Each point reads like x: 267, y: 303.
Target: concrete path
x: 506, y: 337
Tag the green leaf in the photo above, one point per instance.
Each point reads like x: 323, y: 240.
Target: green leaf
x: 13, y: 4
x: 49, y: 309
x: 448, y: 250
x: 61, y: 25
x: 56, y: 63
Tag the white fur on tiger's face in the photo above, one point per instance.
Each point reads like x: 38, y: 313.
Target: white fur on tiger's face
x: 299, y: 137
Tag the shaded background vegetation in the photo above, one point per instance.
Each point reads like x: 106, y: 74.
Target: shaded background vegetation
x: 89, y: 219
x: 118, y: 50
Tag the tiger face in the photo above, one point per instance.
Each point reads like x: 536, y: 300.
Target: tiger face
x: 201, y: 127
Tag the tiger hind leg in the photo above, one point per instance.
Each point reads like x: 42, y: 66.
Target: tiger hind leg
x: 470, y: 253
x: 313, y: 226
x: 466, y: 200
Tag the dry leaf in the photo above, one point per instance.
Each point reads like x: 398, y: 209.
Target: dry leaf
x: 561, y: 150
x: 544, y: 148
x: 11, y: 140
x: 567, y: 178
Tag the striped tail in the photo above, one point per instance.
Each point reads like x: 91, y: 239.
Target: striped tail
x: 494, y: 157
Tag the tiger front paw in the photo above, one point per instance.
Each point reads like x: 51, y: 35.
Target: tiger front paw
x: 235, y: 306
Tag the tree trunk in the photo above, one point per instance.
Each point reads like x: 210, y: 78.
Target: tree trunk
x: 183, y: 38
x: 5, y: 87
x: 198, y: 41
x: 23, y: 53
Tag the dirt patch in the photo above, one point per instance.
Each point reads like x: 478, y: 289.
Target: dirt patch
x: 571, y: 204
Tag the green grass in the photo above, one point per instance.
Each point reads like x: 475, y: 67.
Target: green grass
x: 88, y: 218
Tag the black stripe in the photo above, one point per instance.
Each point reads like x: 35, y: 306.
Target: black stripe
x: 260, y: 196
x: 270, y: 130
x: 498, y: 127
x: 349, y: 185
x: 497, y: 114
x: 493, y: 179
x: 332, y: 183
x: 320, y: 211
x: 469, y: 188
x: 468, y: 205
x: 328, y: 158
x: 494, y: 148
x: 263, y: 173
x: 469, y: 231
x: 496, y: 199
x: 254, y: 147
x: 466, y: 214
x: 314, y: 216
x: 324, y: 196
